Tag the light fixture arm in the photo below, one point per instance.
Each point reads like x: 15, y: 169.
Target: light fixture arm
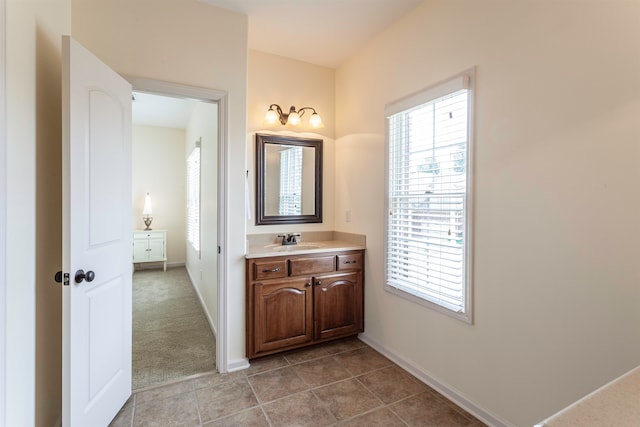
x: 301, y: 111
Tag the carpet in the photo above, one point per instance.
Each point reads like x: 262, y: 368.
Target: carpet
x: 171, y: 336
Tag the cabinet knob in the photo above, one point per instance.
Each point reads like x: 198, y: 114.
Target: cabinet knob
x: 308, y: 284
x: 319, y: 282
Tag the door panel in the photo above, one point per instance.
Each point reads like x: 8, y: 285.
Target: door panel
x: 96, y: 237
x: 283, y: 314
x: 338, y: 305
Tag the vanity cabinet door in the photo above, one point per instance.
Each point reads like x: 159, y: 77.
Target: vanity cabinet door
x: 338, y: 305
x: 283, y: 313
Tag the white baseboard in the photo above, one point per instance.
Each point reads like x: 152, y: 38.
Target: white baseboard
x: 202, y: 304
x: 238, y: 364
x: 444, y: 389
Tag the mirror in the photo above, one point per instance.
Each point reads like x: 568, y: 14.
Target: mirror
x: 288, y: 180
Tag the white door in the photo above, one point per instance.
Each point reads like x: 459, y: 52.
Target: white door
x: 96, y: 351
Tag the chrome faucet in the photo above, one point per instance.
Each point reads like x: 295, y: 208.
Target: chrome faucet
x: 289, y: 238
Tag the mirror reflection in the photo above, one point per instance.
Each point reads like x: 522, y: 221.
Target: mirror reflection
x: 289, y: 180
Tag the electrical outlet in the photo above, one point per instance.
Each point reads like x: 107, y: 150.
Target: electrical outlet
x: 347, y: 216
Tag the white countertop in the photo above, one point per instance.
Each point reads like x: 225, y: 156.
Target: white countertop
x: 263, y: 251
x: 267, y: 245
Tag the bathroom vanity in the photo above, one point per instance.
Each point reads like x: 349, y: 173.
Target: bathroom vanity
x: 299, y: 297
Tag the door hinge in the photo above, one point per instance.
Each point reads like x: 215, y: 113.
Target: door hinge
x: 62, y: 278
x: 219, y: 250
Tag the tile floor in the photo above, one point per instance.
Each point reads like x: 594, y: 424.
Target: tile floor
x: 344, y: 383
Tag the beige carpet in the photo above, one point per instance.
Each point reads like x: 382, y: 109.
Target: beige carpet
x: 171, y: 335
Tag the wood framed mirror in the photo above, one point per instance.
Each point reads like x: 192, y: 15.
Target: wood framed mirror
x: 288, y: 180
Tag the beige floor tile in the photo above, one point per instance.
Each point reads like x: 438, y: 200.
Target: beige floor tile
x: 427, y: 409
x: 344, y: 345
x: 213, y: 379
x: 347, y: 398
x: 321, y: 371
x: 301, y: 409
x: 299, y: 356
x: 163, y: 391
x: 277, y: 383
x: 362, y: 360
x: 378, y: 418
x: 250, y: 418
x: 392, y: 384
x: 180, y: 410
x: 266, y: 364
x: 225, y: 399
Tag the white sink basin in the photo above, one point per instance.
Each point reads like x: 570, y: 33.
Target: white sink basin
x: 289, y: 248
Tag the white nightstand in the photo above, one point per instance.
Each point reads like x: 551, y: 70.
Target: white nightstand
x: 150, y: 246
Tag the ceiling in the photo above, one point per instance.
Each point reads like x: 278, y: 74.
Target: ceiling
x: 322, y: 32
x: 158, y: 110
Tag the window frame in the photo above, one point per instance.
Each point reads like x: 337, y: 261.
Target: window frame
x: 462, y: 80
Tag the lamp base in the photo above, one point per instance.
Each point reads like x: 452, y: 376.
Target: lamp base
x: 147, y: 222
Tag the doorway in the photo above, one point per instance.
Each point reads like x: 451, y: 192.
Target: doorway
x: 195, y: 114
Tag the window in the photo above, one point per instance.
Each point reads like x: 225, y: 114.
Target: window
x: 428, y: 247
x: 193, y: 197
x: 290, y: 181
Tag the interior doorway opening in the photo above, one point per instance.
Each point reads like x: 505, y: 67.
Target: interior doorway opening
x: 195, y: 115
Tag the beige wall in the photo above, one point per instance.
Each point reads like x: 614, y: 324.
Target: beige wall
x: 191, y: 43
x: 557, y: 281
x: 277, y: 80
x: 159, y: 169
x: 33, y: 382
x: 203, y: 266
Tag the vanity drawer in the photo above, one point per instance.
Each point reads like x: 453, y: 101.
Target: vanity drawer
x: 315, y: 265
x: 350, y: 262
x: 269, y: 269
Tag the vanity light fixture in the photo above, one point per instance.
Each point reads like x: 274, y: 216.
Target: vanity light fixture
x: 293, y: 117
x: 146, y: 212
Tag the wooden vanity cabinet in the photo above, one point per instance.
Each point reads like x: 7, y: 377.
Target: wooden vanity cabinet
x: 298, y: 300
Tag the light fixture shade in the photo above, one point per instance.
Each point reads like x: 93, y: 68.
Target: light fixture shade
x: 147, y: 205
x: 271, y: 117
x: 294, y: 119
x: 315, y: 121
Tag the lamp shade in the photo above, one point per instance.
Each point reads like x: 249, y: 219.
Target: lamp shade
x: 271, y: 117
x: 315, y: 121
x: 294, y: 119
x: 147, y: 205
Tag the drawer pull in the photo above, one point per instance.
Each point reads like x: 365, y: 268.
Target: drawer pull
x: 273, y: 270
x: 353, y: 261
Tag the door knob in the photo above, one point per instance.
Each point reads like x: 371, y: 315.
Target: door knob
x: 81, y: 275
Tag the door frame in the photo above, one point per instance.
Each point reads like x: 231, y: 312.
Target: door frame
x: 221, y: 98
x: 3, y: 213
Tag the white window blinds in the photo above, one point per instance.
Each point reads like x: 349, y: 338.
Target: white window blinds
x: 290, y: 181
x: 427, y: 196
x: 193, y: 198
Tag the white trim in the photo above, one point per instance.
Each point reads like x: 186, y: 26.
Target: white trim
x: 224, y: 141
x: 3, y: 215
x: 221, y: 98
x: 238, y: 365
x: 453, y: 84
x: 202, y: 304
x: 441, y: 387
x: 463, y: 80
